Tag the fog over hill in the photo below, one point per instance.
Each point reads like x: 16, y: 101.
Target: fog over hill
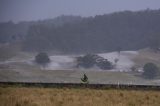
x: 10, y: 31
x: 124, y: 30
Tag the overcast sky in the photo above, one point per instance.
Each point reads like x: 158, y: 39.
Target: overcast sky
x: 18, y: 10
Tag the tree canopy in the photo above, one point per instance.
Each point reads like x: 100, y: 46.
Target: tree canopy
x: 150, y: 70
x: 42, y: 58
x: 117, y: 31
x: 128, y: 30
x: 91, y: 60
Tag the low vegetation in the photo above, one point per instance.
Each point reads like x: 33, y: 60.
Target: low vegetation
x: 91, y: 60
x: 150, y: 70
x: 85, y: 79
x: 76, y: 97
x: 42, y: 58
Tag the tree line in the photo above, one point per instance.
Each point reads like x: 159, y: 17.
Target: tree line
x: 73, y: 34
x: 126, y: 30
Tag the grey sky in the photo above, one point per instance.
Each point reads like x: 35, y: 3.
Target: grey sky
x: 18, y: 10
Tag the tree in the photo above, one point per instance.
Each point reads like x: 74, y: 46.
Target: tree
x: 91, y: 60
x: 87, y: 61
x: 150, y: 70
x: 85, y: 79
x: 42, y: 58
x: 104, y: 64
x: 94, y: 34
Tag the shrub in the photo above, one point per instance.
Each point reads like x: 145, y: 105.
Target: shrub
x: 42, y: 58
x: 90, y: 60
x: 86, y: 61
x: 150, y: 70
x: 85, y: 79
x: 104, y: 64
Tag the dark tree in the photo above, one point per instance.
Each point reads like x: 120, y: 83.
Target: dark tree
x: 104, y: 64
x: 150, y: 70
x: 84, y: 79
x: 42, y: 58
x: 87, y: 61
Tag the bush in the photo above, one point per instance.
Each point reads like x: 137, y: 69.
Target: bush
x: 86, y: 61
x: 104, y: 64
x: 85, y: 79
x: 42, y: 58
x: 91, y: 60
x: 150, y: 70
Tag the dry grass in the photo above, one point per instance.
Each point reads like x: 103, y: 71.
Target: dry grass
x: 12, y: 96
x: 145, y: 56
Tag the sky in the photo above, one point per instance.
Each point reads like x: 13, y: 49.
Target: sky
x: 27, y: 10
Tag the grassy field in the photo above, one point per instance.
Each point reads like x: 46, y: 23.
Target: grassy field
x: 145, y: 56
x: 20, y: 96
x: 21, y: 68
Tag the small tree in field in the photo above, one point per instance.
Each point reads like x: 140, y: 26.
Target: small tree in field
x: 85, y: 79
x: 42, y: 58
x: 150, y: 70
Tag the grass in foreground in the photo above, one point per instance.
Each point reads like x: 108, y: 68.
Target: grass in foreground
x: 12, y: 96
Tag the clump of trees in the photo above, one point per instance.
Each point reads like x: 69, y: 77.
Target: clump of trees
x: 104, y: 64
x: 42, y: 58
x: 150, y: 70
x: 86, y: 61
x: 97, y: 33
x: 90, y: 60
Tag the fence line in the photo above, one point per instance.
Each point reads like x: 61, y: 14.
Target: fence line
x: 81, y: 85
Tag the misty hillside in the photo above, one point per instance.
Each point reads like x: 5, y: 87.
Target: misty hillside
x: 125, y: 30
x: 10, y: 31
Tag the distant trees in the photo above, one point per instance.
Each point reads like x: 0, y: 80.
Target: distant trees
x: 87, y: 61
x: 130, y: 31
x: 35, y: 36
x: 10, y: 29
x: 90, y: 60
x: 104, y: 64
x: 92, y: 31
x: 42, y: 58
x: 150, y: 70
x: 155, y: 42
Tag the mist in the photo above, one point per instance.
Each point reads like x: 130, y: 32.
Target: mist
x: 30, y: 10
x: 109, y: 40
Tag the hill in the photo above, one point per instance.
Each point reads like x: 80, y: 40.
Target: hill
x: 10, y: 31
x: 125, y: 30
